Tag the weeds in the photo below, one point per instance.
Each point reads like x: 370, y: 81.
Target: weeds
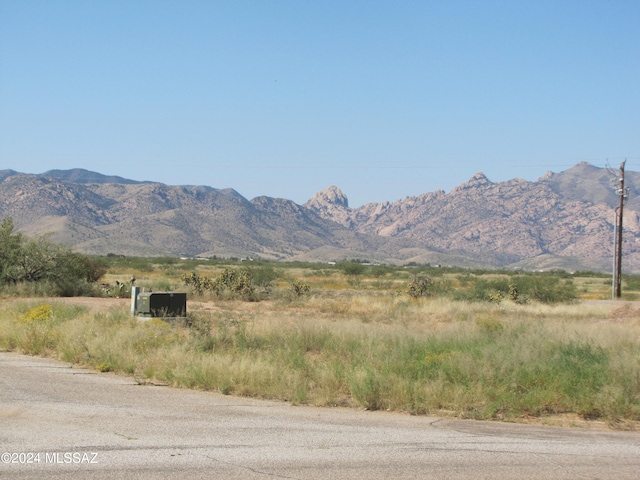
x: 369, y: 348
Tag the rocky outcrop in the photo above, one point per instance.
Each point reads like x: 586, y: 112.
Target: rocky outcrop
x: 569, y: 215
x: 332, y: 204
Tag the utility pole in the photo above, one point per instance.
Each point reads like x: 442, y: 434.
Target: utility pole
x: 622, y: 192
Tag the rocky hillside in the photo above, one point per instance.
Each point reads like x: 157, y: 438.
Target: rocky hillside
x: 152, y: 219
x: 563, y: 220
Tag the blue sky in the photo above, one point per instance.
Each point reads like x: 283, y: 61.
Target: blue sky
x: 384, y: 99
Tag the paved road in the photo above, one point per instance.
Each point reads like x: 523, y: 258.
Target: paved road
x: 74, y: 423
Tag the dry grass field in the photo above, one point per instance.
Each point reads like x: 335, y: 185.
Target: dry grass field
x: 359, y: 340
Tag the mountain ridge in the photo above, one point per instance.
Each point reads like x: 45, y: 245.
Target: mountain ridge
x: 569, y: 214
x: 563, y: 219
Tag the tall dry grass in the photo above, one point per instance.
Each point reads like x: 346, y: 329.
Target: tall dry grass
x: 365, y: 349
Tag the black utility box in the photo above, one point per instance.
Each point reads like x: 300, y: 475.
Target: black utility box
x: 162, y: 304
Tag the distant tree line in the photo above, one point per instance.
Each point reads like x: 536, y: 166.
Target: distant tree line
x: 38, y: 260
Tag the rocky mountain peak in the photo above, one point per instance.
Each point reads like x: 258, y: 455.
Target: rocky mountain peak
x: 546, y: 176
x: 331, y: 204
x: 329, y: 197
x: 478, y: 180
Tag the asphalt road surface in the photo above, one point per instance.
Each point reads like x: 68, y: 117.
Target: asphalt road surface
x: 69, y: 423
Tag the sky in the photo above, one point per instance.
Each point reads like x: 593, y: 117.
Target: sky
x: 383, y: 99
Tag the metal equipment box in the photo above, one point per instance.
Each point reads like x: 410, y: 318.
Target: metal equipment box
x: 162, y: 304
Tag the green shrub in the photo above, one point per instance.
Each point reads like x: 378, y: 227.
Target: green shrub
x: 264, y: 276
x: 482, y: 290
x: 352, y: 269
x: 37, y: 260
x: 366, y: 388
x: 546, y: 289
x: 631, y: 282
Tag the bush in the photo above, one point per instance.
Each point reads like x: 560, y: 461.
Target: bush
x: 71, y: 265
x: 264, y: 276
x: 482, y: 290
x: 420, y: 286
x: 546, y: 289
x: 631, y: 282
x: 352, y: 269
x: 520, y: 289
x: 37, y: 260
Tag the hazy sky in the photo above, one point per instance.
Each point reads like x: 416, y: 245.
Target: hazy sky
x: 384, y: 99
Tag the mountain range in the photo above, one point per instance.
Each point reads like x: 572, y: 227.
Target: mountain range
x: 562, y: 220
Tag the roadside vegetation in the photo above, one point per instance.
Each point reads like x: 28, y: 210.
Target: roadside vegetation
x: 37, y: 266
x: 423, y: 340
